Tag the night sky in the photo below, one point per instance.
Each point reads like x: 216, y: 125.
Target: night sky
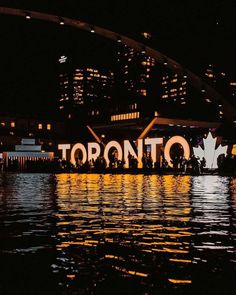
x: 195, y: 33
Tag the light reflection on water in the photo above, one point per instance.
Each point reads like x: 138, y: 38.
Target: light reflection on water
x: 121, y: 234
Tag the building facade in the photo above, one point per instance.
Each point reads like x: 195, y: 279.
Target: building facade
x: 47, y: 133
x: 84, y: 92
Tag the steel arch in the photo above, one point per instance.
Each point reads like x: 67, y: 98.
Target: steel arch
x: 228, y: 109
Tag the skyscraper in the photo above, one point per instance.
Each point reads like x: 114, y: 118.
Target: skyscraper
x: 84, y: 91
x: 233, y: 90
x: 174, y: 88
x: 133, y: 82
x: 134, y: 70
x: 219, y: 80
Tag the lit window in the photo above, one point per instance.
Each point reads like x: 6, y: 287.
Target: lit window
x: 40, y: 126
x: 13, y: 124
x: 48, y: 126
x: 126, y: 116
x: 143, y: 92
x: 165, y: 96
x: 3, y: 124
x: 146, y: 35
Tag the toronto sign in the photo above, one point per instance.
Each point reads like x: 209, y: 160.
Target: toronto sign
x: 93, y: 150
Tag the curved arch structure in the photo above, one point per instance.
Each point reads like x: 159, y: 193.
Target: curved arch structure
x: 228, y: 109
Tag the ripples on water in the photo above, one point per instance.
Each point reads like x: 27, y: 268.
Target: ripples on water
x: 120, y: 234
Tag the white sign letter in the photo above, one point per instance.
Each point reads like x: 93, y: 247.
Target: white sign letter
x: 78, y: 146
x: 64, y: 147
x: 96, y: 147
x: 129, y: 149
x: 117, y: 146
x: 153, y: 143
x: 176, y: 139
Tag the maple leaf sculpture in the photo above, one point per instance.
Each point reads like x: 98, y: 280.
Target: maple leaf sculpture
x: 210, y: 153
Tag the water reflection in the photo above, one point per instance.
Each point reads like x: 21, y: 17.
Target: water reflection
x: 120, y: 234
x: 139, y: 226
x: 27, y: 207
x: 214, y: 232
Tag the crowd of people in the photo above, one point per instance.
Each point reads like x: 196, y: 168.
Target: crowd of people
x: 194, y: 165
x: 40, y: 165
x: 227, y: 164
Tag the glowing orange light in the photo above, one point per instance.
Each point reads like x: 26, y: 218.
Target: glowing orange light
x: 234, y: 149
x: 180, y: 260
x: 174, y: 281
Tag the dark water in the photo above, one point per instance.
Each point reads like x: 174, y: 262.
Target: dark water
x: 117, y: 234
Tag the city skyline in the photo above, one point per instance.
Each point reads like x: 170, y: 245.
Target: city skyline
x: 30, y: 47
x: 117, y: 147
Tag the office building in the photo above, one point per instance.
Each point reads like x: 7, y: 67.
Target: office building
x: 84, y: 91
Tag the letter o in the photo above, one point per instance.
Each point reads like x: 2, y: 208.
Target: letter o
x: 176, y: 139
x: 78, y: 146
x: 116, y: 145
